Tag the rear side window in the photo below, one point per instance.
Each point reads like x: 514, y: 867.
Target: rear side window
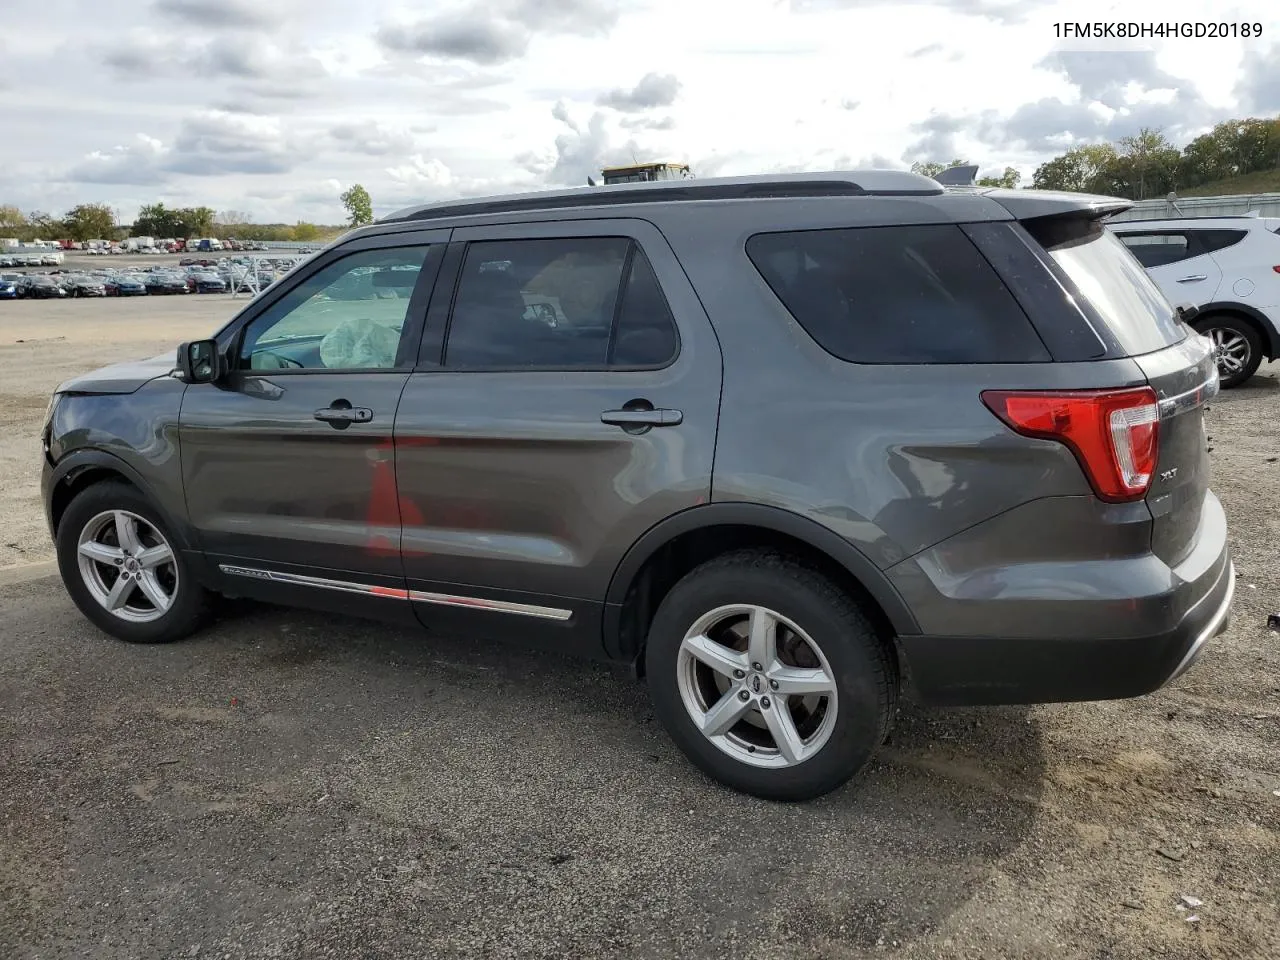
x: 1158, y: 249
x: 1211, y: 241
x: 910, y: 294
x: 1111, y: 281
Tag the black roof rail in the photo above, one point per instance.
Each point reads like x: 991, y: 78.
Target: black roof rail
x: 852, y: 183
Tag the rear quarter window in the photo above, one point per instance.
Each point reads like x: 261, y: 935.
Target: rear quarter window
x: 909, y: 294
x: 1111, y: 282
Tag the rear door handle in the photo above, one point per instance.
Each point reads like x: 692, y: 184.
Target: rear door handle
x: 659, y: 417
x: 1194, y: 279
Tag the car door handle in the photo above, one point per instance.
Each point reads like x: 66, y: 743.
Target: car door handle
x: 659, y: 417
x: 341, y: 414
x: 1194, y: 279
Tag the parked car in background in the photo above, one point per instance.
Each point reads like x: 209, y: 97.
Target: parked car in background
x: 8, y: 288
x: 80, y: 285
x: 41, y: 287
x: 160, y: 283
x: 792, y: 442
x: 124, y: 285
x: 1226, y: 267
x: 206, y: 281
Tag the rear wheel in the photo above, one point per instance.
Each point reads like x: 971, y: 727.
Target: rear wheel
x: 1237, y: 348
x: 123, y: 569
x: 769, y: 677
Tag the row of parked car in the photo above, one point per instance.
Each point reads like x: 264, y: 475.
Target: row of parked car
x: 190, y: 276
x: 29, y: 260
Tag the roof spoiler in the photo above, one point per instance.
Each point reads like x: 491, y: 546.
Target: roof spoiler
x: 1038, y: 204
x: 961, y: 176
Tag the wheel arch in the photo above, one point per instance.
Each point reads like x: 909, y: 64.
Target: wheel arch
x: 1267, y: 333
x: 698, y: 533
x: 81, y: 469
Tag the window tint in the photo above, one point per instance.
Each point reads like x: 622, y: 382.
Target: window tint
x: 348, y: 316
x: 1158, y: 249
x: 918, y: 294
x: 1211, y: 241
x: 646, y: 331
x: 1111, y: 281
x: 569, y: 303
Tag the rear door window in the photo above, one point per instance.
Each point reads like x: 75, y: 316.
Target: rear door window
x: 1112, y: 281
x: 585, y: 303
x: 909, y: 294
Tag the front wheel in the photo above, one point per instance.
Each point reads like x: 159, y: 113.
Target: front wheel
x: 123, y: 569
x: 1237, y: 348
x: 769, y: 677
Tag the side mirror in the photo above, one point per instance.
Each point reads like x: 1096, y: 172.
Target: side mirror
x: 1187, y: 312
x: 200, y: 362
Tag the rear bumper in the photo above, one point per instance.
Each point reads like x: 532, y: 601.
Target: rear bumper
x: 971, y: 671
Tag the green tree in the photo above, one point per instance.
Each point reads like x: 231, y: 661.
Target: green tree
x: 11, y: 218
x: 359, y: 205
x: 305, y: 231
x: 1009, y: 179
x: 1149, y: 162
x: 90, y: 221
x: 1088, y: 169
x: 155, y: 220
x: 43, y: 226
x: 932, y: 169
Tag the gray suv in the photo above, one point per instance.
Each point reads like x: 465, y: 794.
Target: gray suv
x: 784, y: 445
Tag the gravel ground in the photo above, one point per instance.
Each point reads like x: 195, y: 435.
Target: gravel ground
x: 289, y: 785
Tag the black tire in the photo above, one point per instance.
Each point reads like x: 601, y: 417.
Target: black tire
x: 190, y: 603
x: 864, y: 668
x: 1246, y: 330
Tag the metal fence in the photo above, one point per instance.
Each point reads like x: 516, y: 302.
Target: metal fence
x: 1261, y: 204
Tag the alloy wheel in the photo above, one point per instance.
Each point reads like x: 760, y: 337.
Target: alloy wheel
x: 757, y: 686
x: 128, y: 566
x: 1231, y: 350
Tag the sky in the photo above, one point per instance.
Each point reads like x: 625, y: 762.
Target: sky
x: 273, y: 107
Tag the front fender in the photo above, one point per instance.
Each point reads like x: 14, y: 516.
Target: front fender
x: 134, y: 435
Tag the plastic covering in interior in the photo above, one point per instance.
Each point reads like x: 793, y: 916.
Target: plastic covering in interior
x: 358, y: 343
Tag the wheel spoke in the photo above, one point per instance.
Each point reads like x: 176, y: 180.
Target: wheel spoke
x: 153, y: 557
x: 120, y: 593
x: 727, y: 711
x: 762, y: 645
x: 127, y: 532
x: 800, y: 681
x: 715, y: 655
x: 101, y: 552
x: 153, y: 591
x: 785, y: 735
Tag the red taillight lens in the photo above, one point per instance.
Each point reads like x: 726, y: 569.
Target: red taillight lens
x: 1115, y: 434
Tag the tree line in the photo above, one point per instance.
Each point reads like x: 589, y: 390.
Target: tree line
x: 98, y: 221
x: 1147, y: 164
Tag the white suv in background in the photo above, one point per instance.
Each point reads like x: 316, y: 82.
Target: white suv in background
x: 1227, y: 267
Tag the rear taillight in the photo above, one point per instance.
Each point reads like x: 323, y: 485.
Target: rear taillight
x: 1115, y: 434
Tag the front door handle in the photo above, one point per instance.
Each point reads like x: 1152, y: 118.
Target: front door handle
x: 659, y: 417
x: 1195, y: 279
x: 341, y: 414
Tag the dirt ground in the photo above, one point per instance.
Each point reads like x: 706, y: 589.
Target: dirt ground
x: 294, y: 785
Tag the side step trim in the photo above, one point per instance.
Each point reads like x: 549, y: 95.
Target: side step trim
x: 301, y: 580
x: 398, y: 593
x: 497, y: 606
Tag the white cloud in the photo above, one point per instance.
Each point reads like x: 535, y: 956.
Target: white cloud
x: 271, y: 106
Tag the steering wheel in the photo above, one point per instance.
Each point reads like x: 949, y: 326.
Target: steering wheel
x: 282, y: 362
